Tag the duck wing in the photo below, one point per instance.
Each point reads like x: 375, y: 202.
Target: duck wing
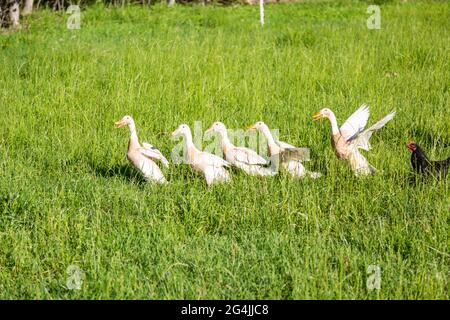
x: 284, y: 145
x: 355, y: 123
x: 361, y: 140
x: 291, y: 152
x: 152, y: 152
x: 210, y: 159
x: 248, y: 156
x: 299, y: 154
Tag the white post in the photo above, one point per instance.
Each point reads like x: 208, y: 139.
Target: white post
x: 261, y: 12
x: 14, y: 14
x: 27, y: 7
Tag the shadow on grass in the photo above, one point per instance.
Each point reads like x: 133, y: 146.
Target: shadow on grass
x: 125, y: 171
x: 183, y: 173
x: 417, y: 179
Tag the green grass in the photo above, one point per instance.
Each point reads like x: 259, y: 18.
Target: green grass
x: 69, y: 197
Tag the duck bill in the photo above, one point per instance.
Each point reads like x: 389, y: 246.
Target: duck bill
x: 251, y: 127
x: 317, y: 116
x: 119, y: 123
x: 176, y: 133
x: 209, y: 131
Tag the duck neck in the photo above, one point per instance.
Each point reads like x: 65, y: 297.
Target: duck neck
x: 269, y: 137
x: 189, y: 142
x: 225, y: 141
x: 334, y: 125
x: 133, y: 134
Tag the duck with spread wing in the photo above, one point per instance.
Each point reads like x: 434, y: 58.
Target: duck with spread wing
x: 352, y: 136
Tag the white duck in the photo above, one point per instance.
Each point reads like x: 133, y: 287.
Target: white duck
x: 141, y: 156
x: 211, y: 166
x: 241, y: 157
x: 291, y: 157
x: 347, y: 140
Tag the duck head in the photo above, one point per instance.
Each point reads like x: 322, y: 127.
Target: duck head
x: 217, y: 127
x: 127, y: 120
x: 323, y: 113
x: 260, y: 125
x: 183, y: 129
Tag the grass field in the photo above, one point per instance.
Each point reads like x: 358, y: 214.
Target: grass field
x: 69, y: 197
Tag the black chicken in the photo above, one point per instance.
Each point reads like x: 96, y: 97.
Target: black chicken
x: 421, y: 163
